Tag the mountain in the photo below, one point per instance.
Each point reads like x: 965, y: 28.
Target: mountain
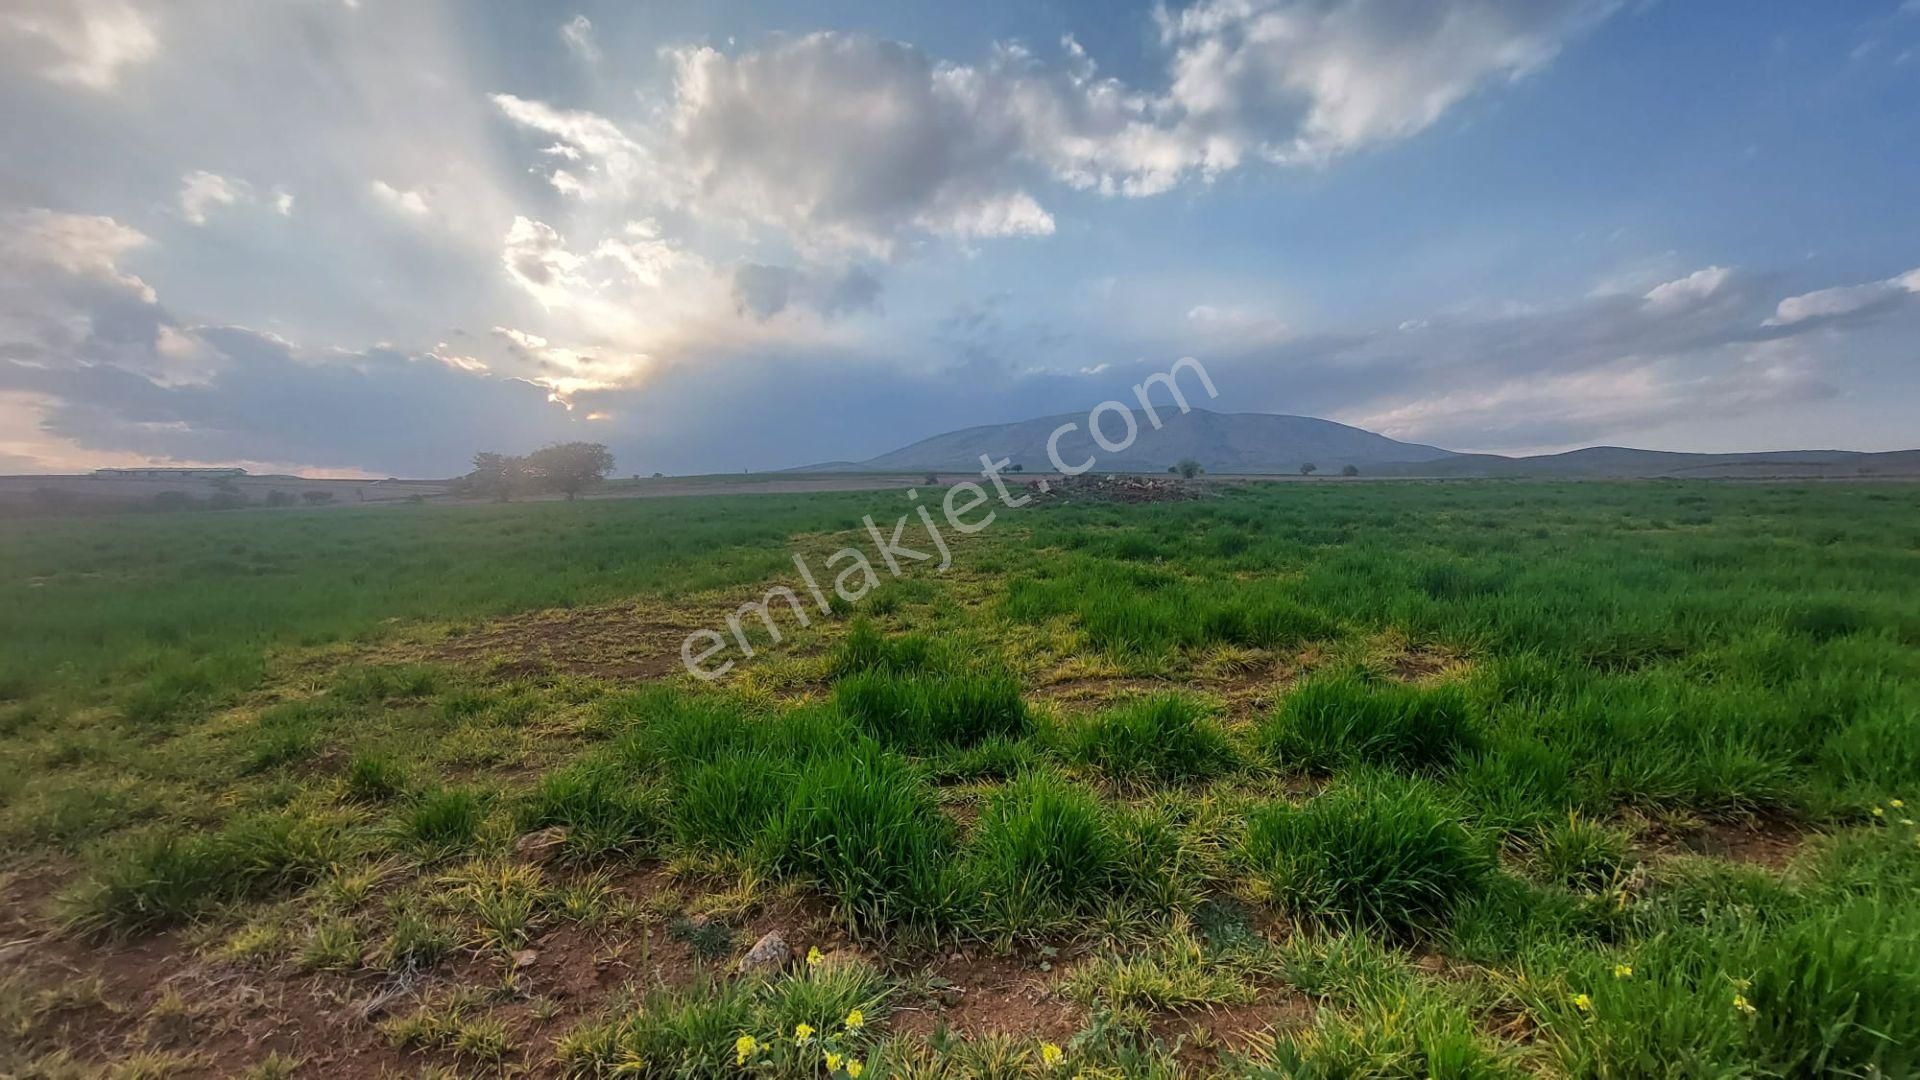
x: 1621, y: 461
x: 1226, y: 443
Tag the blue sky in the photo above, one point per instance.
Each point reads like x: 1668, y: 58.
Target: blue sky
x: 375, y: 237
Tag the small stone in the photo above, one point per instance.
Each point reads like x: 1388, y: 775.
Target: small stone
x: 770, y: 954
x: 525, y: 958
x: 955, y: 958
x: 539, y: 845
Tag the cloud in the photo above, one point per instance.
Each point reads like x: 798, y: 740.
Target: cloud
x: 104, y: 367
x: 84, y: 43
x: 1695, y: 288
x: 1235, y: 325
x: 764, y: 291
x: 845, y: 142
x: 268, y: 400
x: 1846, y: 300
x: 409, y: 203
x: 82, y: 245
x: 1306, y: 80
x: 616, y: 161
x: 577, y: 33
x: 283, y: 202
x: 565, y: 372
x: 64, y: 296
x: 1561, y: 409
x: 202, y: 192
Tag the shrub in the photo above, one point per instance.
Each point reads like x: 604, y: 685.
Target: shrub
x: 909, y: 712
x: 1348, y: 718
x: 1380, y: 853
x: 1158, y: 740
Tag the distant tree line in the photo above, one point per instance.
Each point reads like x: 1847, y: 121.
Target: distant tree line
x: 564, y: 468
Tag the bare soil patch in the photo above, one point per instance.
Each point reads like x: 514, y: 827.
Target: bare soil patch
x: 991, y: 995
x: 615, y: 641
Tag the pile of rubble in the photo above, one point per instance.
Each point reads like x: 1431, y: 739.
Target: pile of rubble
x: 1116, y: 487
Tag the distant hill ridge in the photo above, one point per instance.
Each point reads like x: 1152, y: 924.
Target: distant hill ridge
x: 1222, y: 442
x: 1252, y: 444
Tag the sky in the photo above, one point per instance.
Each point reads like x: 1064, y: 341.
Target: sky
x: 372, y: 237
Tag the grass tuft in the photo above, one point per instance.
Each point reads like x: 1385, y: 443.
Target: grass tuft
x: 1166, y: 739
x: 1379, y: 853
x: 1348, y: 718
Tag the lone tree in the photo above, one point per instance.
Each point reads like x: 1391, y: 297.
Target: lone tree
x: 498, y: 475
x: 570, y: 467
x: 1187, y: 468
x: 1349, y: 470
x: 1308, y: 468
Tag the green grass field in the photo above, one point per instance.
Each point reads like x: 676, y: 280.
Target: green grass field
x: 1295, y: 780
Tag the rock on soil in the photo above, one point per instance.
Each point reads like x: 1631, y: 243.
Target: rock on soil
x: 769, y: 955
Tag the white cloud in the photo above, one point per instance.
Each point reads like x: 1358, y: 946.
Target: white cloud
x: 1304, y: 80
x: 1235, y: 325
x: 846, y: 142
x: 1572, y: 408
x: 1844, y: 299
x: 411, y: 203
x: 577, y: 32
x: 64, y: 295
x: 202, y: 192
x: 616, y: 161
x: 283, y: 202
x: 85, y: 43
x: 566, y: 372
x: 1695, y: 288
x: 81, y: 245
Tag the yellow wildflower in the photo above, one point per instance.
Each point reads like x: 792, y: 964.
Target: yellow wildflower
x: 854, y: 1068
x: 743, y: 1048
x: 1583, y: 1002
x: 856, y: 1020
x: 1740, y: 1002
x: 1051, y: 1055
x: 813, y: 956
x: 1623, y: 971
x: 802, y: 1033
x: 834, y: 1060
x: 1895, y: 803
x: 1878, y: 812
